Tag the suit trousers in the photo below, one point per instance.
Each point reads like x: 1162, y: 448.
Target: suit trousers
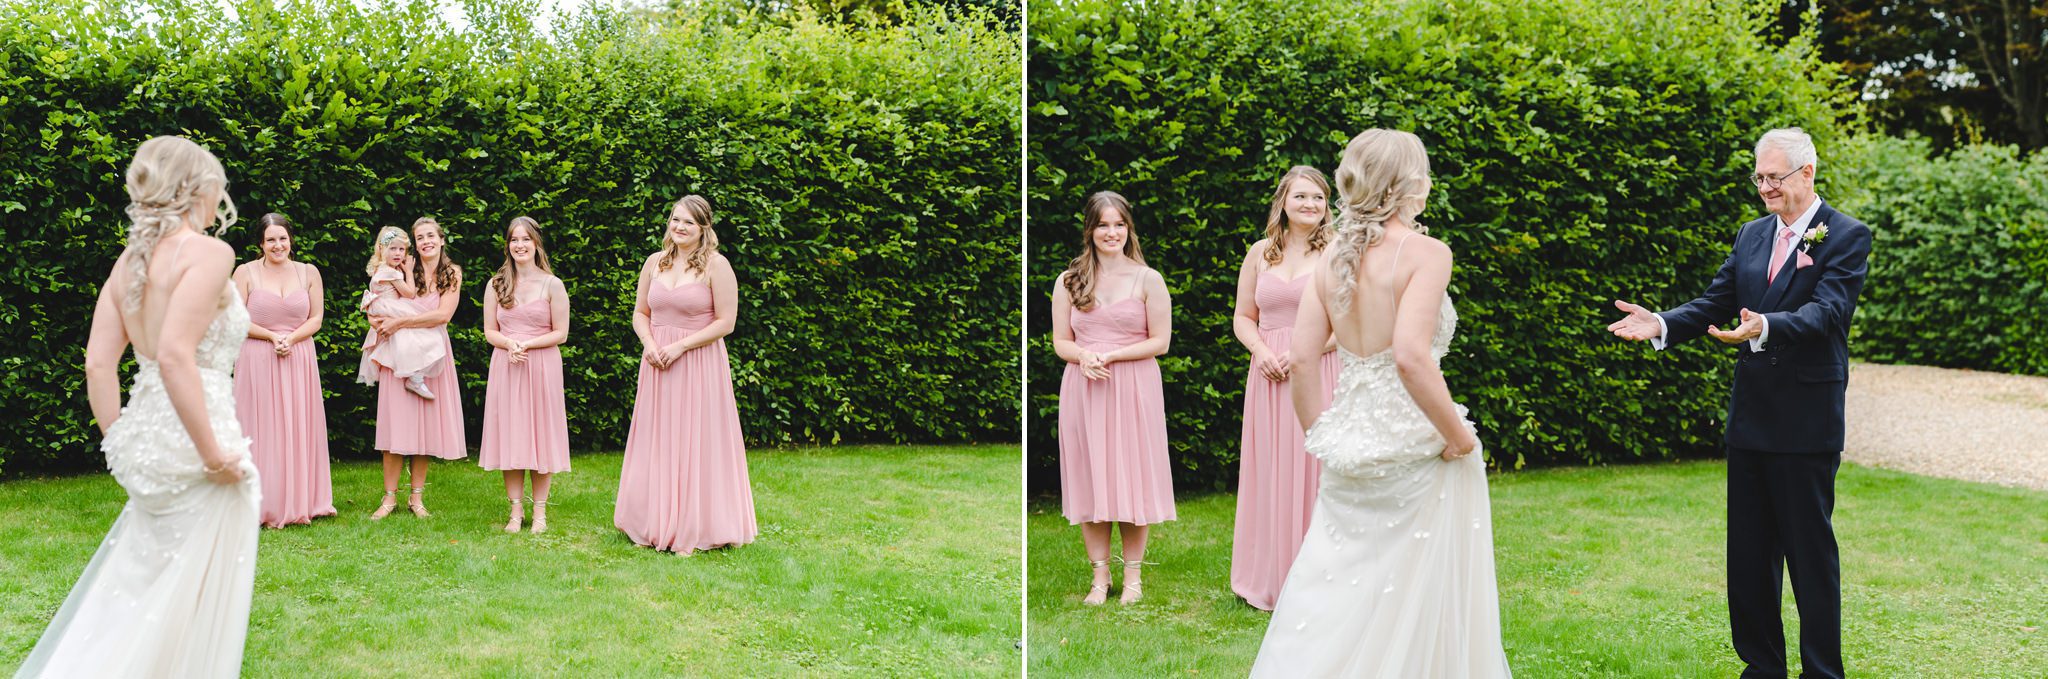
x: 1780, y: 514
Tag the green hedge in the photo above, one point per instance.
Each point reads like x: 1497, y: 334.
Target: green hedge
x: 1959, y: 273
x: 1583, y: 151
x: 864, y: 182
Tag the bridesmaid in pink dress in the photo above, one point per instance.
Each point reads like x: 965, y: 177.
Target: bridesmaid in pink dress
x: 526, y: 423
x: 277, y: 379
x: 684, y: 486
x: 410, y: 427
x: 1276, y: 487
x: 1111, y: 319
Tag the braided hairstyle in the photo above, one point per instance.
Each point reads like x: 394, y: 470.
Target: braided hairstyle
x: 166, y: 181
x: 1384, y: 175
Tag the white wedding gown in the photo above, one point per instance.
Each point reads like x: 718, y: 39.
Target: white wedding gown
x: 1395, y: 578
x: 167, y: 594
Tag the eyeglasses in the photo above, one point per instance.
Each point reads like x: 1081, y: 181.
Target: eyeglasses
x: 1761, y: 179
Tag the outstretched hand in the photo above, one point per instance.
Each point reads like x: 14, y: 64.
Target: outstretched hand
x: 1749, y: 327
x: 1638, y: 326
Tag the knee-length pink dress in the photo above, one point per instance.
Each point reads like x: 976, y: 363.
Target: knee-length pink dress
x: 684, y: 483
x: 1276, y: 486
x: 278, y: 401
x: 1113, y: 457
x: 526, y: 425
x: 410, y: 425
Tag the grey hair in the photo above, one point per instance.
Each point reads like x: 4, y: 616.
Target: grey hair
x: 1794, y: 142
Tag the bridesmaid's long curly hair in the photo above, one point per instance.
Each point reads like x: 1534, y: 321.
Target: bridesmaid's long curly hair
x: 447, y: 276
x: 164, y: 181
x: 1080, y: 275
x: 707, y: 240
x: 1384, y: 174
x: 506, y: 283
x: 1276, y: 217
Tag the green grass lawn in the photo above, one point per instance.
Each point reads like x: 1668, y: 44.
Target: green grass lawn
x: 1610, y: 572
x: 872, y: 561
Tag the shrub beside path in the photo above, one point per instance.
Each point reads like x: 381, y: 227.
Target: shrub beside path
x: 1958, y: 424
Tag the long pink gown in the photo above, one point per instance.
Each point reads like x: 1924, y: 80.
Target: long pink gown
x: 410, y: 425
x: 279, y: 404
x: 1113, y: 457
x: 684, y: 484
x: 526, y: 425
x: 1276, y: 487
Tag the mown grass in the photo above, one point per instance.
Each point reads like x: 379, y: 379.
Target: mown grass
x: 872, y: 561
x: 1610, y: 572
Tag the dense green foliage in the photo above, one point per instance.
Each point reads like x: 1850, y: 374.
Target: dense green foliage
x: 1582, y: 151
x: 864, y: 182
x: 1959, y: 269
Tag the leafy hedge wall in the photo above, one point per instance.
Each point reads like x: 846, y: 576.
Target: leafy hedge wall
x: 1959, y: 273
x: 864, y: 182
x: 1583, y: 151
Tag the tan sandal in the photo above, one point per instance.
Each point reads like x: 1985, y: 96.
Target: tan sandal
x: 1134, y: 586
x: 1098, y: 593
x: 418, y: 507
x: 390, y: 503
x: 512, y: 525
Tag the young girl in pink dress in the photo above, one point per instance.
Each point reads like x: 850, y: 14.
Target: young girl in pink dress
x: 413, y: 354
x: 684, y: 484
x: 526, y: 422
x: 1111, y: 318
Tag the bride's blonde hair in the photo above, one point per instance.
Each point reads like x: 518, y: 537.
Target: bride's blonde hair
x: 164, y: 181
x: 1384, y: 175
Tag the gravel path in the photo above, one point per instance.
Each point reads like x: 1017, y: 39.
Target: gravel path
x: 1958, y: 424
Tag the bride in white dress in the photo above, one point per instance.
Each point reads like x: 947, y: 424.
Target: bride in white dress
x: 167, y: 594
x: 1395, y: 578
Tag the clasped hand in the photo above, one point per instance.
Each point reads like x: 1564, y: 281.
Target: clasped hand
x: 1276, y: 367
x: 1095, y: 366
x: 660, y: 356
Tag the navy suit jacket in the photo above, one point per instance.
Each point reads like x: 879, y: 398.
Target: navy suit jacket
x: 1788, y: 397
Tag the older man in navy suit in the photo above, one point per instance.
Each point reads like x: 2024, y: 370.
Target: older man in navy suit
x: 1791, y: 282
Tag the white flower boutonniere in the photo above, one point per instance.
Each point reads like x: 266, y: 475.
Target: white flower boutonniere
x: 1814, y: 236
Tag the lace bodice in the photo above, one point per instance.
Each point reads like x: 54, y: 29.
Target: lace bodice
x: 147, y: 449
x: 1373, y: 425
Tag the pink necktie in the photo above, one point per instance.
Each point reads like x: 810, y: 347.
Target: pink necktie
x: 1778, y: 253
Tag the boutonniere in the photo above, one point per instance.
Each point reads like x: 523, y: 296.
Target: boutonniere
x: 1814, y: 236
